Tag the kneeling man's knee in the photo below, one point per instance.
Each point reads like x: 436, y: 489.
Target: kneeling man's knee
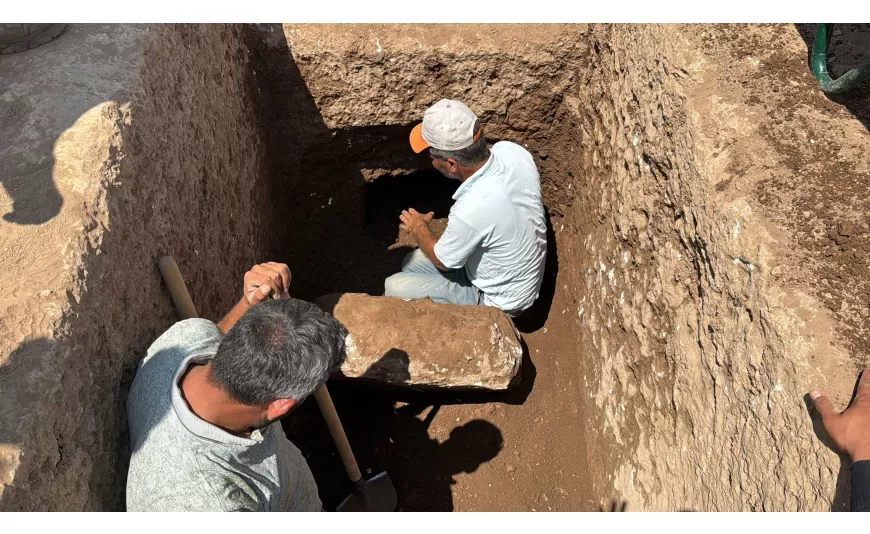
x: 415, y: 257
x: 393, y: 285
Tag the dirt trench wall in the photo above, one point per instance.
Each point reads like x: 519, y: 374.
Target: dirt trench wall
x: 387, y: 74
x: 376, y: 74
x: 166, y: 161
x: 695, y: 378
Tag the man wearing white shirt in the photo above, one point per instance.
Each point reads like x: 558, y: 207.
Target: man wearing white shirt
x: 494, y: 248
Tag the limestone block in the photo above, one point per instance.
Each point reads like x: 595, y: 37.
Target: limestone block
x: 423, y: 344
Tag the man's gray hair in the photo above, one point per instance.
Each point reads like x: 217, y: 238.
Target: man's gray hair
x: 279, y: 349
x: 469, y: 156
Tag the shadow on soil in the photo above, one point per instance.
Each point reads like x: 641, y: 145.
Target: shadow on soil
x: 28, y: 178
x: 848, y: 48
x: 394, y: 439
x: 535, y: 317
x: 29, y: 357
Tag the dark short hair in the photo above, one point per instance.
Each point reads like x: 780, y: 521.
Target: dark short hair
x: 468, y: 156
x: 279, y: 349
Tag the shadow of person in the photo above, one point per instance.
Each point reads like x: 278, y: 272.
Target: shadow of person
x: 35, y: 198
x: 516, y: 395
x: 535, y: 317
x: 27, y: 165
x: 842, y: 492
x: 391, y: 439
x: 424, y: 471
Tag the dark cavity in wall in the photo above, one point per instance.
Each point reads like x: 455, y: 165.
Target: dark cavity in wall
x: 342, y: 227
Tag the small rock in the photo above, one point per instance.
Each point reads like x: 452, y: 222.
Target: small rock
x: 45, y: 293
x: 510, y: 468
x: 846, y: 229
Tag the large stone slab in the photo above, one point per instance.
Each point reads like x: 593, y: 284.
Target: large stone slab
x: 423, y: 344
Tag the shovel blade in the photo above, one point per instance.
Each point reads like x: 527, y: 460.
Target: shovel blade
x: 374, y: 495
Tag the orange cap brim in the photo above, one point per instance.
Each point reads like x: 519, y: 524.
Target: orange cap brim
x: 418, y: 144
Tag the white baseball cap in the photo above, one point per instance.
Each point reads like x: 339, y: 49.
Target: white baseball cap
x: 447, y: 125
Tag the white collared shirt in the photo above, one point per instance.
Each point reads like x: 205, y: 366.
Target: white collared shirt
x: 497, y: 229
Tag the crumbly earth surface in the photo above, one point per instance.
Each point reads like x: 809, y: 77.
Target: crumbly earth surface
x: 708, y: 248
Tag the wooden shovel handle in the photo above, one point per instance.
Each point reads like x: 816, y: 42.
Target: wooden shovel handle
x: 177, y: 290
x: 327, y: 408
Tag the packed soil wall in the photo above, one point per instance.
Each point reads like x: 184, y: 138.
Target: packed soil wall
x: 698, y: 340
x: 160, y: 155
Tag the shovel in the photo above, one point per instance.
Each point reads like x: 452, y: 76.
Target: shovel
x: 374, y: 495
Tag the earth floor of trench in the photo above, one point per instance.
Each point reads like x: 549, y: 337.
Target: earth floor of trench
x: 523, y: 450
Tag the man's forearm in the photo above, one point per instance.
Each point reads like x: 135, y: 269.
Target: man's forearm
x: 426, y: 239
x: 234, y: 315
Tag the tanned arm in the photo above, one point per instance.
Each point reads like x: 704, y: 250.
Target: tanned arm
x: 417, y: 225
x: 850, y: 432
x: 232, y: 317
x: 263, y: 281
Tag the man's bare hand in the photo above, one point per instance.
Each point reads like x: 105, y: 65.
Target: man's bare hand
x: 412, y: 220
x: 850, y: 430
x: 265, y: 280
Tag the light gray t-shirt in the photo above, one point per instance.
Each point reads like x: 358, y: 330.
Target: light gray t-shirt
x: 183, y: 463
x: 497, y: 230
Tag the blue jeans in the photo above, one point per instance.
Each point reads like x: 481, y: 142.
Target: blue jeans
x: 420, y: 279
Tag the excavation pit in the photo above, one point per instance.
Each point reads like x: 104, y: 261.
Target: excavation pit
x: 694, y: 288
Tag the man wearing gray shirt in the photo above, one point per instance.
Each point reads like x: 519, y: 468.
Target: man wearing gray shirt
x: 205, y: 403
